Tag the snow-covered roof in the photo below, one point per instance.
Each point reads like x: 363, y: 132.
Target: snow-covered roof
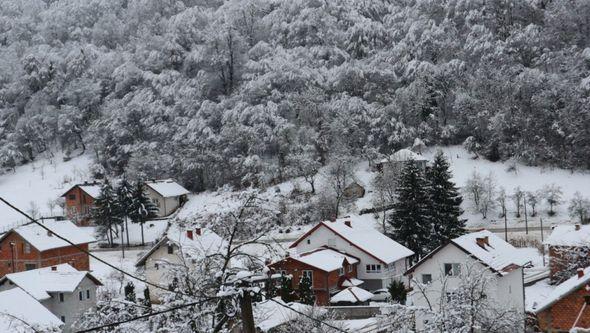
x: 92, y: 189
x: 42, y: 240
x: 564, y: 289
x: 351, y: 295
x: 269, y: 314
x: 404, y: 155
x: 325, y: 259
x: 365, y: 238
x: 352, y: 282
x: 167, y: 188
x: 495, y: 252
x: 16, y: 307
x: 567, y: 235
x: 40, y: 282
x: 208, y: 242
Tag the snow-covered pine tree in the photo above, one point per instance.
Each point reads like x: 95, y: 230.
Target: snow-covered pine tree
x: 105, y: 212
x: 411, y: 218
x: 305, y: 292
x: 286, y: 291
x: 124, y: 204
x: 142, y: 208
x: 445, y: 203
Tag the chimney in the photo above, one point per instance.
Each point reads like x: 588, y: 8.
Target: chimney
x: 189, y: 234
x: 577, y: 226
x: 198, y: 231
x: 481, y: 242
x: 347, y: 223
x: 486, y: 240
x: 580, y: 273
x: 53, y: 268
x: 333, y: 218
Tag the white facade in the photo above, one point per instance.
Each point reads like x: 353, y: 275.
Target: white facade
x: 166, y: 206
x: 507, y: 290
x: 156, y: 266
x: 380, y: 274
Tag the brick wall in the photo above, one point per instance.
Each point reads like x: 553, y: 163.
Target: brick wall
x: 78, y: 206
x: 323, y: 282
x: 562, y: 315
x: 28, y: 255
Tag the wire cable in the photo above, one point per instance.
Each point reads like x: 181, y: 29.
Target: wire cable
x: 86, y: 251
x: 308, y: 316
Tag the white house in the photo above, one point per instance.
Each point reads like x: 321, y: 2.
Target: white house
x: 63, y: 290
x: 177, y: 245
x: 18, y: 310
x: 381, y: 259
x: 440, y: 271
x: 394, y: 164
x: 166, y: 194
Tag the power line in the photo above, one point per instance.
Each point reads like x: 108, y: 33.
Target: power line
x: 308, y: 316
x: 147, y: 315
x: 87, y: 252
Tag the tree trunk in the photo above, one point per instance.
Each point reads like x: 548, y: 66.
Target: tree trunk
x: 126, y: 231
x: 142, y: 239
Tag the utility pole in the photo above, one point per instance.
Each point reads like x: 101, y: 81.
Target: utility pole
x: 122, y: 243
x: 526, y: 220
x: 12, y: 245
x: 505, y: 227
x: 542, y: 241
x: 246, y: 312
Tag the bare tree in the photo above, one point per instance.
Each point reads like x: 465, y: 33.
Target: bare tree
x: 501, y: 198
x: 339, y: 173
x: 579, y: 207
x: 482, y: 192
x: 518, y: 197
x: 532, y: 198
x: 553, y: 195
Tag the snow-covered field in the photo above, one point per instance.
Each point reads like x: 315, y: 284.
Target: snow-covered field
x: 35, y: 184
x: 112, y: 279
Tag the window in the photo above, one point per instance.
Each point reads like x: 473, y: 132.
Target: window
x: 156, y: 202
x: 61, y: 297
x: 71, y: 197
x: 349, y: 268
x: 156, y: 266
x: 170, y: 249
x: 373, y: 268
x: 452, y: 269
x: 340, y: 271
x: 332, y: 242
x: 29, y: 267
x: 309, y: 274
x: 26, y: 247
x: 80, y: 295
x: 87, y: 293
x: 426, y: 278
x: 63, y: 318
x: 308, y: 241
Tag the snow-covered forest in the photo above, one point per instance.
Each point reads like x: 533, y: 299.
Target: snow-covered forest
x: 254, y: 92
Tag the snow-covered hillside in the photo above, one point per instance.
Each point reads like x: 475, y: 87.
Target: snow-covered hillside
x: 35, y: 184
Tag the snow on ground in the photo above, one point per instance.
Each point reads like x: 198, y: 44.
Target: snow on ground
x: 528, y: 178
x: 39, y: 182
x: 152, y: 232
x: 112, y: 279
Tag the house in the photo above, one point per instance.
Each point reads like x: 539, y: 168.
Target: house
x: 564, y: 244
x: 354, y: 191
x: 326, y: 268
x: 167, y: 195
x: 382, y: 259
x: 30, y: 246
x: 482, y: 250
x: 178, y: 246
x: 394, y: 164
x: 19, y: 311
x: 63, y: 290
x: 567, y: 306
x: 79, y: 201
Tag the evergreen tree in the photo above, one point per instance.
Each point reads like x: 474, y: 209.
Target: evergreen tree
x: 105, y: 212
x: 130, y: 292
x: 411, y: 216
x: 445, y: 203
x: 306, y: 295
x: 142, y: 208
x: 286, y: 289
x: 398, y: 292
x: 124, y: 204
x: 147, y: 299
